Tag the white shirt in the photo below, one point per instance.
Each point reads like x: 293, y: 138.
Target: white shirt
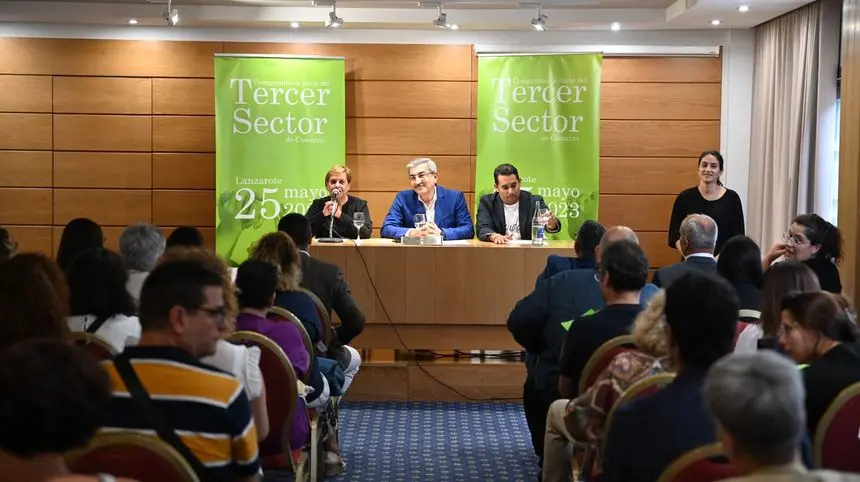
x: 430, y: 209
x: 512, y: 220
x: 135, y: 283
x: 700, y: 255
x: 748, y: 339
x: 119, y: 330
x: 243, y: 362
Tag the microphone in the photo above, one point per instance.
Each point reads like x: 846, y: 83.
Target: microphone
x: 331, y: 239
x: 335, y: 193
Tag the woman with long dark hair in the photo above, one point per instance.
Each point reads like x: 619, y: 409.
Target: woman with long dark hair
x: 79, y: 235
x: 820, y: 329
x: 709, y: 197
x: 816, y: 243
x: 740, y: 265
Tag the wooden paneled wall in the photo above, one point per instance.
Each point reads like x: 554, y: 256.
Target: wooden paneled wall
x: 849, y: 150
x: 123, y: 131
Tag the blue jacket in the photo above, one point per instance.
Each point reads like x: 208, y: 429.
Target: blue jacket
x: 452, y: 215
x: 536, y: 320
x: 555, y: 264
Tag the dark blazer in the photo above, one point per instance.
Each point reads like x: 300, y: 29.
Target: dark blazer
x: 555, y: 264
x: 343, y: 227
x: 452, y: 215
x: 677, y: 413
x: 326, y: 281
x: 491, y: 215
x: 666, y: 275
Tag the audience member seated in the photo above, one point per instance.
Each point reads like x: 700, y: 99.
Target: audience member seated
x: 34, y: 300
x: 257, y: 281
x: 141, y: 245
x: 756, y: 402
x: 185, y: 237
x: 816, y: 243
x: 98, y: 300
x: 182, y: 314
x: 326, y: 281
x: 279, y: 250
x: 53, y: 398
x: 698, y: 239
x: 740, y: 265
x: 585, y: 245
x: 240, y: 361
x: 779, y: 280
x: 445, y: 210
x: 321, y: 210
x: 623, y: 272
x: 8, y: 246
x: 649, y: 433
x: 584, y: 418
x: 538, y: 323
x: 820, y: 329
x: 78, y: 236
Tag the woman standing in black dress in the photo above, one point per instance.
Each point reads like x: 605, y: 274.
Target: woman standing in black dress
x: 712, y: 198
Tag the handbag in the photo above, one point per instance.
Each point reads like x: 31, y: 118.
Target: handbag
x: 333, y: 372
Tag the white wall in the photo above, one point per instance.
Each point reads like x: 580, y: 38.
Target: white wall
x: 738, y: 50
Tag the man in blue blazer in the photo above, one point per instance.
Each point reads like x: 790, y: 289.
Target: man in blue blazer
x: 445, y: 209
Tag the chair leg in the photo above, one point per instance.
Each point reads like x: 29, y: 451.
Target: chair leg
x: 315, y: 448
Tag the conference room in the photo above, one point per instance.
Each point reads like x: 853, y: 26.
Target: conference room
x: 451, y: 157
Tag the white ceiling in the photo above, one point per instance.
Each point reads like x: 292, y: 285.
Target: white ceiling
x: 402, y: 14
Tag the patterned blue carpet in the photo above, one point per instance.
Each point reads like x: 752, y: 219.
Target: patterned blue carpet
x: 434, y: 441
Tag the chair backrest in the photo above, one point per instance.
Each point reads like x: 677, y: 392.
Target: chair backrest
x: 132, y: 456
x: 836, y: 443
x: 601, y: 358
x: 643, y: 387
x: 323, y: 315
x: 281, y: 388
x: 702, y: 464
x: 277, y: 313
x: 95, y: 345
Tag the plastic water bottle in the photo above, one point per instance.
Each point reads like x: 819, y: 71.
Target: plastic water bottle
x: 537, y: 227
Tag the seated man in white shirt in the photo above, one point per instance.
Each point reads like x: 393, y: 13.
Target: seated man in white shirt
x: 507, y: 214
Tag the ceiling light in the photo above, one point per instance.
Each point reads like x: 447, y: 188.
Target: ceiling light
x: 132, y: 21
x: 171, y: 15
x: 539, y: 22
x: 615, y: 26
x: 333, y: 20
x: 744, y: 8
x: 294, y: 24
x: 442, y: 21
x: 715, y: 22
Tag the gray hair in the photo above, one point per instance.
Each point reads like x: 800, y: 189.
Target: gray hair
x: 758, y: 399
x: 700, y: 232
x: 616, y: 233
x: 419, y: 161
x: 141, y: 245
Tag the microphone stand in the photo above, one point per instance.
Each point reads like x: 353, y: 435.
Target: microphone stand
x: 331, y: 239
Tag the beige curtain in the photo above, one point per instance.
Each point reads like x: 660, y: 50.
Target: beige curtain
x: 782, y: 142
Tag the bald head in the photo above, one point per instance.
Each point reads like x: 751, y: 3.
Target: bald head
x: 613, y: 234
x: 698, y: 234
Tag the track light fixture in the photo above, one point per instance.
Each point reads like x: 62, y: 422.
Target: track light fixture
x: 333, y: 20
x: 442, y: 21
x: 539, y: 22
x: 171, y: 15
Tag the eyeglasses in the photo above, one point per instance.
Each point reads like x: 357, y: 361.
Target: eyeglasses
x: 420, y: 176
x: 218, y: 315
x: 794, y: 239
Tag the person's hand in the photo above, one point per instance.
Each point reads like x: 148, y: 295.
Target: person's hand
x: 432, y: 229
x: 328, y: 208
x: 777, y: 251
x: 552, y: 221
x: 498, y: 238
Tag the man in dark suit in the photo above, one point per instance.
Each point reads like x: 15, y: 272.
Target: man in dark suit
x: 324, y: 279
x: 507, y: 213
x: 697, y: 242
x: 585, y: 247
x: 649, y: 433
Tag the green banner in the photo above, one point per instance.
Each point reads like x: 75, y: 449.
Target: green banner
x: 541, y: 113
x: 279, y: 126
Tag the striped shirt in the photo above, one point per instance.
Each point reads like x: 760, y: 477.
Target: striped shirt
x: 207, y: 408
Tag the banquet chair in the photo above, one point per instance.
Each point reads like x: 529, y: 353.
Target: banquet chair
x: 836, y: 442
x: 131, y: 455
x: 702, y: 464
x: 95, y: 345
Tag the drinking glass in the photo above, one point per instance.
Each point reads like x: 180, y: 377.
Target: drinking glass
x: 420, y: 220
x: 358, y: 221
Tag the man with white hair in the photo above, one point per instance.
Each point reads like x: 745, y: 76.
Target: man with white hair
x: 697, y: 242
x: 445, y: 212
x: 756, y: 401
x: 141, y: 245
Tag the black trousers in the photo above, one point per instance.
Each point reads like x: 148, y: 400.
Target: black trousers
x: 536, y: 406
